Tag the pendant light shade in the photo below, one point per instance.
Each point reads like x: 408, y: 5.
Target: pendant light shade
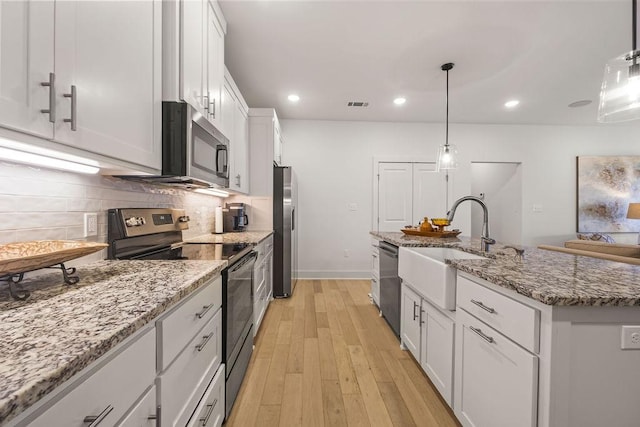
x: 620, y: 92
x: 447, y: 154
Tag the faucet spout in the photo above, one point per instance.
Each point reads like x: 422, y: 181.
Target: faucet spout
x: 485, y: 240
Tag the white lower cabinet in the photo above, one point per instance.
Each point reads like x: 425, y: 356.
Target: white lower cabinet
x: 262, y: 281
x: 109, y: 392
x: 428, y: 333
x: 144, y: 413
x: 496, y: 380
x: 210, y: 411
x: 375, y: 272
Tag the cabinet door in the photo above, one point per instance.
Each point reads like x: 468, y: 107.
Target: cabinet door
x: 496, y: 380
x: 26, y: 59
x: 277, y: 144
x: 144, y: 413
x: 394, y: 196
x: 192, y: 49
x: 240, y: 181
x: 410, y: 321
x: 215, y: 69
x: 108, y: 80
x: 437, y: 350
x: 228, y: 111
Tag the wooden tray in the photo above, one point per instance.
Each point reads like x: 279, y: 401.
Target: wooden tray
x: 416, y: 232
x: 21, y: 257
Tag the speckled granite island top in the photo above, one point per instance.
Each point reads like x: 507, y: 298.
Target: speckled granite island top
x: 251, y: 237
x: 61, y: 329
x: 552, y: 278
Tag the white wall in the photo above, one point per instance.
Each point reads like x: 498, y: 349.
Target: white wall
x: 333, y: 161
x: 43, y: 204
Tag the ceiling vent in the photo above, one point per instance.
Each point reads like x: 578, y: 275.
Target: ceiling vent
x: 357, y: 104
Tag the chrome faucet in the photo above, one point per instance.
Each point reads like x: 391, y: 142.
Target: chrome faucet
x: 485, y: 240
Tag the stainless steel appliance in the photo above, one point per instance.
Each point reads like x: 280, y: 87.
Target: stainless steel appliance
x: 234, y: 217
x: 156, y: 234
x: 285, y: 235
x: 390, y: 286
x: 194, y: 152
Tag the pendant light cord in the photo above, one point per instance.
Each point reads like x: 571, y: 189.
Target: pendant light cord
x: 446, y: 135
x: 633, y: 25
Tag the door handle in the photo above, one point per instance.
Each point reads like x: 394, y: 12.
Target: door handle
x: 415, y: 316
x: 74, y: 99
x: 51, y: 84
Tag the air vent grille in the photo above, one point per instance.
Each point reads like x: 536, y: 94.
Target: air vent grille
x: 357, y: 104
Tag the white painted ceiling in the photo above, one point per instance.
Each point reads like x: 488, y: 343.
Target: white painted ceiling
x: 547, y: 54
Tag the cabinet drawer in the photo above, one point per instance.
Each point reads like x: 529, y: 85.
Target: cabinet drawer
x: 110, y: 391
x: 375, y: 290
x: 375, y: 262
x: 258, y: 276
x: 210, y: 411
x: 261, y: 250
x: 183, y: 384
x: 491, y: 369
x: 517, y: 321
x: 178, y: 327
x: 144, y: 413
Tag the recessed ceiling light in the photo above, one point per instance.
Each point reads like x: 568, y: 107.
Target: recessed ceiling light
x: 293, y: 98
x: 580, y: 103
x: 399, y: 101
x: 512, y: 103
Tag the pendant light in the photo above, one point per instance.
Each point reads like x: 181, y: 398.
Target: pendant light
x: 620, y: 92
x: 447, y: 154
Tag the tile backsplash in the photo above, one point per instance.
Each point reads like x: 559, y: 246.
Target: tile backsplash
x: 43, y: 204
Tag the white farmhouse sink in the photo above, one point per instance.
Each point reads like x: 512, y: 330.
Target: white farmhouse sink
x: 425, y: 270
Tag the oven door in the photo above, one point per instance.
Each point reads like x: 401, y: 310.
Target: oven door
x: 237, y: 298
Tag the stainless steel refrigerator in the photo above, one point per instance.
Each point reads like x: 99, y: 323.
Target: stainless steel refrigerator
x: 285, y: 240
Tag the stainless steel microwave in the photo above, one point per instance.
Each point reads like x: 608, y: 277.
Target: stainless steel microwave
x: 194, y: 152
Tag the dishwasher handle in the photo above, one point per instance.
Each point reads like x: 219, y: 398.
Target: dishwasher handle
x: 390, y: 252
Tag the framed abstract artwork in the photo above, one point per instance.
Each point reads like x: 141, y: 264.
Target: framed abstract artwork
x: 606, y: 186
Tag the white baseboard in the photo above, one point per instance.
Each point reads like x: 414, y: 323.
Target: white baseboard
x: 311, y: 274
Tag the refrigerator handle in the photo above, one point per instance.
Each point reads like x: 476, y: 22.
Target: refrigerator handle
x: 293, y: 218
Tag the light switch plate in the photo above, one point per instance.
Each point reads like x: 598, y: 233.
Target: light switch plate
x: 90, y: 224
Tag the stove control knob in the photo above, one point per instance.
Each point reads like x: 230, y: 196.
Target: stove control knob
x: 184, y: 218
x: 134, y: 221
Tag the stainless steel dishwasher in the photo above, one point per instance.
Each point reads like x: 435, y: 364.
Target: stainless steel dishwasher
x: 390, y: 286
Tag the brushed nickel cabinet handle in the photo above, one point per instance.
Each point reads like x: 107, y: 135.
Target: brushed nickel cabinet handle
x: 205, y: 419
x: 94, y: 420
x: 205, y: 308
x: 415, y: 316
x: 205, y: 340
x: 205, y: 98
x: 212, y: 108
x: 479, y: 332
x: 74, y: 112
x: 238, y: 180
x: 482, y: 306
x: 51, y: 84
x: 421, y: 312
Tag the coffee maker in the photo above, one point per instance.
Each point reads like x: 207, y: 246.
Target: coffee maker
x: 234, y: 217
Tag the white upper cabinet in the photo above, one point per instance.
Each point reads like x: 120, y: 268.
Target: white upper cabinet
x: 77, y: 73
x: 235, y: 124
x: 215, y: 64
x: 26, y: 61
x: 264, y: 140
x: 108, y: 87
x: 191, y: 54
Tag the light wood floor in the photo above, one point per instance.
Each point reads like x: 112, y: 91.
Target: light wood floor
x: 325, y: 357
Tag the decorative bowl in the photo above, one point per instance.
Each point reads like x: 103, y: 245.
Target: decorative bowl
x: 440, y: 221
x: 20, y: 257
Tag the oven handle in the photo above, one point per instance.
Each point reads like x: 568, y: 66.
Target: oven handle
x: 247, y: 258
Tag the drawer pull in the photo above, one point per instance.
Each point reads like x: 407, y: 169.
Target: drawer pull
x: 205, y: 308
x: 482, y: 335
x: 482, y: 306
x: 74, y: 109
x: 205, y: 419
x: 94, y: 420
x: 415, y: 316
x: 205, y: 340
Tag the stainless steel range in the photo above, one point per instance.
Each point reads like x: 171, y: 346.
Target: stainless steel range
x: 156, y: 234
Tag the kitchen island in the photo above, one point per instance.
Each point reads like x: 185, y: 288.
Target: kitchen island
x: 60, y: 330
x: 540, y: 340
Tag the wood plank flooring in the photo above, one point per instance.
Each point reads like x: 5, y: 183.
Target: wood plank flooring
x: 325, y: 358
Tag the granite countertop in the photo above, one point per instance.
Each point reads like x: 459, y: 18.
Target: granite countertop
x: 251, y: 237
x: 553, y: 278
x: 61, y: 329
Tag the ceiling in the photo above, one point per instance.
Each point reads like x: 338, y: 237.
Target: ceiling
x: 547, y: 54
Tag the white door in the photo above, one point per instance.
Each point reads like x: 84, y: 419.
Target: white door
x: 437, y: 350
x: 501, y: 186
x: 429, y: 192
x: 395, y: 193
x: 26, y: 59
x: 192, y: 48
x: 410, y: 321
x: 108, y: 78
x: 215, y: 69
x: 497, y: 381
